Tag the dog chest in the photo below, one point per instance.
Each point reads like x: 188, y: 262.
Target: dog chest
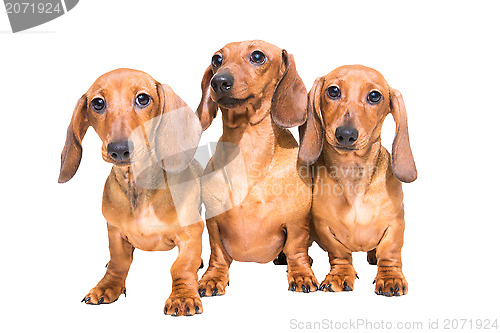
x: 360, y: 213
x: 251, y: 232
x: 355, y: 224
x: 146, y: 231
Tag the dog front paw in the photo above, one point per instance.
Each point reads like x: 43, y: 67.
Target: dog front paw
x: 108, y: 290
x: 340, y: 278
x: 390, y: 282
x: 213, y: 285
x: 183, y: 304
x: 302, y: 281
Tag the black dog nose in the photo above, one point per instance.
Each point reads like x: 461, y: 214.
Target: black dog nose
x: 120, y: 151
x: 222, y: 82
x: 346, y: 136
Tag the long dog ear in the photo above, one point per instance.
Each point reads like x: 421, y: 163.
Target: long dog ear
x: 403, y: 164
x: 207, y: 110
x: 289, y: 102
x: 311, y: 134
x: 72, y: 151
x: 178, y: 132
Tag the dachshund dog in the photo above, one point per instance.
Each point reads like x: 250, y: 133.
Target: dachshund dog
x: 257, y: 203
x: 149, y: 135
x: 357, y: 196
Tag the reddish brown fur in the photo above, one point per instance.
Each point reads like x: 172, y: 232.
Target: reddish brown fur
x: 263, y: 222
x: 358, y: 197
x: 137, y: 217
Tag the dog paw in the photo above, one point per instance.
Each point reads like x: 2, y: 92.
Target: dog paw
x: 390, y: 284
x: 183, y: 304
x: 302, y: 282
x: 339, y: 279
x: 213, y: 285
x: 108, y: 290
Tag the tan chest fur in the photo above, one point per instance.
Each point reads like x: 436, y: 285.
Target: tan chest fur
x: 357, y: 216
x: 148, y: 219
x: 147, y: 231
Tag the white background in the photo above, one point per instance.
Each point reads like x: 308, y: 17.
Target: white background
x: 442, y: 56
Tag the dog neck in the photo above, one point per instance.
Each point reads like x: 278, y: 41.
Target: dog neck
x: 256, y: 142
x: 135, y: 190
x: 354, y: 171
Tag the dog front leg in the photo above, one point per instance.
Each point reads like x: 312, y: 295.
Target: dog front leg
x: 342, y: 274
x: 112, y: 285
x: 300, y: 275
x: 184, y: 299
x: 390, y: 280
x: 216, y: 277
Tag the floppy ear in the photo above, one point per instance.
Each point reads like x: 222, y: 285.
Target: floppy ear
x: 289, y: 103
x: 311, y: 133
x: 207, y: 110
x: 178, y: 132
x: 72, y: 151
x: 403, y: 164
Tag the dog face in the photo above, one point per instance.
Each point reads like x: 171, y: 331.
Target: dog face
x: 120, y: 102
x: 354, y: 102
x: 244, y: 73
x: 251, y: 79
x: 347, y: 108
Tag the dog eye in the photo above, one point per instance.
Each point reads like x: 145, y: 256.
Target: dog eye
x: 333, y: 92
x: 98, y: 104
x: 374, y: 97
x: 257, y: 57
x: 216, y: 60
x: 142, y: 100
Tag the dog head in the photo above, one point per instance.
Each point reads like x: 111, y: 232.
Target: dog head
x: 122, y: 101
x: 346, y: 108
x: 247, y: 81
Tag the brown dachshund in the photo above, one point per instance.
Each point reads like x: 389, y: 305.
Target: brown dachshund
x: 257, y: 203
x: 357, y: 197
x: 139, y: 121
